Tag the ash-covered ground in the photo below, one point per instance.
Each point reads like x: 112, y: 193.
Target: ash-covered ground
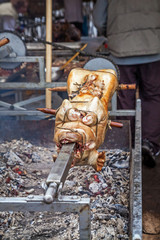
x: 23, y: 170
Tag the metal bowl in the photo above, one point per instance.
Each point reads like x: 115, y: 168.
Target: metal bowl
x: 56, y: 73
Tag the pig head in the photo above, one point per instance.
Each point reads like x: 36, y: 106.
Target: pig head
x: 83, y: 118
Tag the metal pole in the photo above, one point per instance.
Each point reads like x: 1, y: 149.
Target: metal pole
x: 59, y: 171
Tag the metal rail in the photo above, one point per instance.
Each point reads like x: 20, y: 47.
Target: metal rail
x: 31, y: 86
x: 15, y: 110
x: 41, y: 85
x: 136, y: 180
x: 39, y: 59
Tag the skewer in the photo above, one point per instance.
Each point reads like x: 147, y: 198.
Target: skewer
x: 53, y: 112
x: 59, y: 89
x: 73, y: 57
x: 116, y: 124
x: 120, y: 87
x: 126, y: 86
x: 4, y: 41
x: 47, y: 110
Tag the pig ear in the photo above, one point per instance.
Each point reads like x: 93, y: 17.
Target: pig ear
x: 93, y: 104
x: 66, y: 104
x: 96, y: 106
x: 63, y: 109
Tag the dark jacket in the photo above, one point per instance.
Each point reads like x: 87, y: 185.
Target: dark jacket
x: 133, y: 27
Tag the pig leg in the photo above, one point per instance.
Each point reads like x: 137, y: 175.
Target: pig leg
x: 100, y: 161
x: 96, y: 159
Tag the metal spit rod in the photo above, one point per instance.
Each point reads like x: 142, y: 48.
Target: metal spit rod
x: 59, y: 171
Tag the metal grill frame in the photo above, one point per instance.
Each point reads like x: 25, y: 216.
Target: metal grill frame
x: 82, y: 205
x: 72, y: 204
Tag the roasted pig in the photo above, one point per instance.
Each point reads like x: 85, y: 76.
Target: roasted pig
x: 83, y: 118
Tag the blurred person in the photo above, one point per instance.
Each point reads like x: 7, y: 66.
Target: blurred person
x: 74, y: 12
x: 9, y: 13
x: 132, y: 29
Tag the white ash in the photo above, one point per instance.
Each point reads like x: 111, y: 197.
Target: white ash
x: 23, y: 170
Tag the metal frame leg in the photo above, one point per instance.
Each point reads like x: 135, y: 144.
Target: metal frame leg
x: 85, y: 223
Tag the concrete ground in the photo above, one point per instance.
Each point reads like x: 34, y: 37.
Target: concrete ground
x: 151, y: 202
